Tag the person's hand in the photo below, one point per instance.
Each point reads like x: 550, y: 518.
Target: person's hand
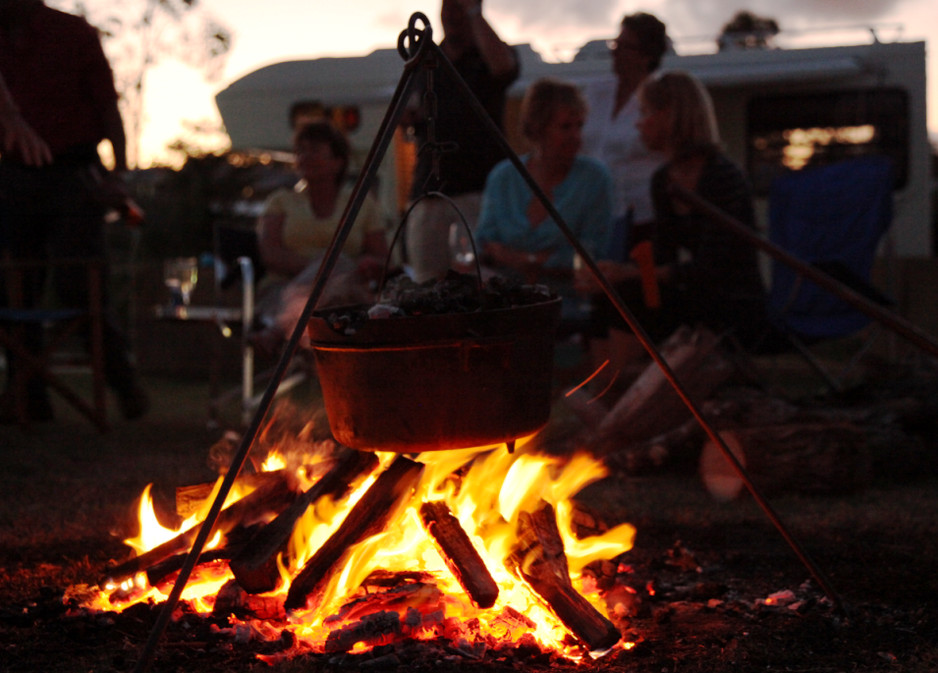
x: 585, y: 282
x: 520, y: 260
x: 112, y: 191
x: 370, y: 268
x: 20, y: 138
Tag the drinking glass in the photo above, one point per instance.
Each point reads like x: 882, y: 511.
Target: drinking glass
x: 584, y: 300
x: 180, y: 274
x: 460, y: 247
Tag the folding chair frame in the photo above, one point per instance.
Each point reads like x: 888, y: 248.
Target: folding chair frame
x: 15, y: 318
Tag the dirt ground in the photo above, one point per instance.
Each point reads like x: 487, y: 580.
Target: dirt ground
x: 708, y: 587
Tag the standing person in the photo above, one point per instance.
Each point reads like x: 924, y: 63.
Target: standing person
x: 516, y: 235
x: 61, y: 82
x: 611, y: 136
x: 17, y: 136
x: 488, y: 66
x: 610, y: 133
x: 707, y: 274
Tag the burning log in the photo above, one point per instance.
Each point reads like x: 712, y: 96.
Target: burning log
x: 406, y: 594
x: 255, y: 568
x: 367, y: 517
x: 190, y: 499
x: 541, y: 562
x: 825, y: 457
x: 231, y: 599
x: 159, y: 572
x: 461, y: 557
x: 386, y: 616
x: 371, y: 629
x: 268, y: 500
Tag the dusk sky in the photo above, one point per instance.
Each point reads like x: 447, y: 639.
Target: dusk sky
x: 279, y: 30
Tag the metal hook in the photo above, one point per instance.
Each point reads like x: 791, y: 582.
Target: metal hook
x: 413, y: 41
x: 413, y: 45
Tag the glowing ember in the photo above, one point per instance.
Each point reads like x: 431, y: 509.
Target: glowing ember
x: 396, y: 583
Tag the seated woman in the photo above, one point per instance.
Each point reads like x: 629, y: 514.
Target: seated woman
x: 297, y: 227
x: 705, y: 274
x: 515, y: 234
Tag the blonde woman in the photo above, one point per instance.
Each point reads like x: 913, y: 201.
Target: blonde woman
x: 516, y: 235
x: 706, y: 274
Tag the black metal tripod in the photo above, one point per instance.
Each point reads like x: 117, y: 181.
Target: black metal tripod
x: 421, y: 54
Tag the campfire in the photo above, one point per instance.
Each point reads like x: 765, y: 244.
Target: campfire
x: 330, y: 550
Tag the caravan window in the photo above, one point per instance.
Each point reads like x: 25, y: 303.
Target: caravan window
x: 795, y: 131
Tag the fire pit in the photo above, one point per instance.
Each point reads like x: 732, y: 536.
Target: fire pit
x: 351, y: 549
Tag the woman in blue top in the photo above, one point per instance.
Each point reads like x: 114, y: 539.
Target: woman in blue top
x: 516, y: 236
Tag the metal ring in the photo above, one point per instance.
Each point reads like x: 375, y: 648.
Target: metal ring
x: 412, y: 39
x: 462, y: 218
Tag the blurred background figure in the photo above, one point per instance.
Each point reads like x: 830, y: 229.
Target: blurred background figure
x: 706, y: 274
x: 54, y: 194
x: 516, y: 236
x: 18, y: 137
x: 297, y: 227
x: 610, y: 133
x: 488, y: 66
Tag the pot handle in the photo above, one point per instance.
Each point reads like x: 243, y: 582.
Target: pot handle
x: 462, y: 218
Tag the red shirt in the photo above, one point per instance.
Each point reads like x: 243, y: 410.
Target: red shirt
x: 60, y: 78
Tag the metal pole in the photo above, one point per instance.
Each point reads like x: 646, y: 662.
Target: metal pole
x: 419, y: 43
x: 895, y: 322
x: 642, y: 335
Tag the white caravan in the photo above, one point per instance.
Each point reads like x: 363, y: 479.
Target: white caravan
x: 777, y: 108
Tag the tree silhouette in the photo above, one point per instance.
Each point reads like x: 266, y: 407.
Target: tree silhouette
x: 748, y: 31
x: 139, y: 34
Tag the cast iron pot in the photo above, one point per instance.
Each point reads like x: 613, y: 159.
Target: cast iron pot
x: 436, y: 382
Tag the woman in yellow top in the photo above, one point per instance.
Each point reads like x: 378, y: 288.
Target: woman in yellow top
x: 298, y: 225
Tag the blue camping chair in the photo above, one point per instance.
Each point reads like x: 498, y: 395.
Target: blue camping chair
x: 832, y: 217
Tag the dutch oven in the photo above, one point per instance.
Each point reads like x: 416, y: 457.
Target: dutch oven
x: 437, y: 381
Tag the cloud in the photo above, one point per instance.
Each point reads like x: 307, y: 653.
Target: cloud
x: 543, y: 23
x: 538, y: 16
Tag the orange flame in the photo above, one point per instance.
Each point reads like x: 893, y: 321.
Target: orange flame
x: 486, y: 488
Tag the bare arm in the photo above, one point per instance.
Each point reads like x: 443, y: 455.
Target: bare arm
x: 18, y: 136
x: 498, y: 56
x: 276, y: 256
x: 114, y: 132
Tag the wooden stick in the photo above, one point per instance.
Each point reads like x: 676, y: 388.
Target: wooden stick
x: 827, y: 457
x: 460, y: 555
x: 883, y: 316
x: 650, y: 405
x: 541, y: 562
x: 271, y: 498
x: 189, y: 499
x: 367, y: 517
x: 255, y: 568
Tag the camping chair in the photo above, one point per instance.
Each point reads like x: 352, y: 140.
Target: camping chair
x: 238, y: 269
x: 832, y: 217
x: 18, y: 325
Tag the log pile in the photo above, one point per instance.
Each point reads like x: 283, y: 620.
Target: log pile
x: 828, y: 445
x: 255, y: 568
x: 394, y: 606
